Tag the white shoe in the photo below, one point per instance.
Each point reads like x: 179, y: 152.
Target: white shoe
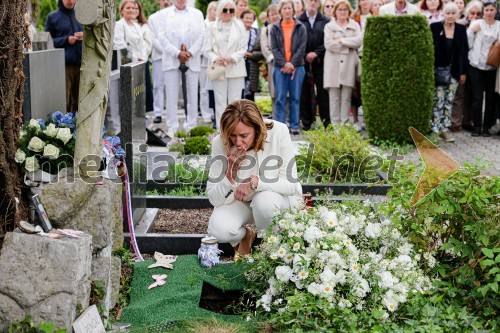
x: 357, y: 126
x: 207, y: 121
x: 360, y: 111
x: 171, y: 133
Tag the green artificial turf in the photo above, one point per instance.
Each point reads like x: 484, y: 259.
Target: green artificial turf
x: 178, y: 299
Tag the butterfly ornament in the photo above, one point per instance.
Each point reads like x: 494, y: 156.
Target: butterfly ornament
x: 160, y: 280
x: 163, y: 260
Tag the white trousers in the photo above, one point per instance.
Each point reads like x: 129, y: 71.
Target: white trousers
x: 340, y: 104
x: 226, y: 91
x: 227, y: 221
x: 206, y: 111
x: 158, y: 88
x: 173, y: 84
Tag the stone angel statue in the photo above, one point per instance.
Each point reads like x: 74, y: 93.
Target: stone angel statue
x: 98, y: 18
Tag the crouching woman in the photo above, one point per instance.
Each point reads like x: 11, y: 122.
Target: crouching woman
x: 252, y: 176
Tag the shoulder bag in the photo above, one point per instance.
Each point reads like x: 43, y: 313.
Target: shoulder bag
x: 215, y: 71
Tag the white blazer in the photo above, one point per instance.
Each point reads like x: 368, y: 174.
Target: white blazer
x: 134, y: 37
x: 283, y: 179
x: 390, y: 9
x: 236, y: 48
x: 168, y: 35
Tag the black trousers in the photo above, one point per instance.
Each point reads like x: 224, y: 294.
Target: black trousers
x: 482, y: 82
x: 310, y: 98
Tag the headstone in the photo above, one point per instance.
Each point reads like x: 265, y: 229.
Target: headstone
x: 133, y: 129
x: 44, y: 84
x: 89, y: 322
x: 45, y: 278
x: 42, y: 41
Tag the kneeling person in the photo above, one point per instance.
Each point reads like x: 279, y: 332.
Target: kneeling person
x: 252, y: 176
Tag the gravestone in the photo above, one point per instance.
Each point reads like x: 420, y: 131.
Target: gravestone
x: 133, y: 129
x: 45, y: 83
x: 42, y: 41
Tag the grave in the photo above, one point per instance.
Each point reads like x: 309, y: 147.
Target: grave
x: 45, y: 83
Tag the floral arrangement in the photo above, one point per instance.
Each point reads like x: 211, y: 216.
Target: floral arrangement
x: 330, y: 262
x: 47, y: 145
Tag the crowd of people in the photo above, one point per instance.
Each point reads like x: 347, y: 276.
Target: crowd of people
x: 313, y: 63
x: 312, y: 51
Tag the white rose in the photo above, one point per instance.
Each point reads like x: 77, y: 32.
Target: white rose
x: 51, y: 152
x: 36, y: 144
x: 64, y: 134
x: 386, y: 280
x: 314, y: 288
x: 32, y: 164
x: 20, y: 156
x: 35, y: 124
x: 283, y: 273
x: 51, y: 131
x: 373, y: 230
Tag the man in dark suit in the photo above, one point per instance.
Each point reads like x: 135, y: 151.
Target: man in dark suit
x: 315, y: 52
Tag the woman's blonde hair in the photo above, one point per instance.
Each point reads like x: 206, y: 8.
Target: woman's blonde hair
x: 249, y: 114
x: 212, y: 4
x: 342, y: 2
x: 141, y: 19
x: 323, y: 4
x: 222, y: 3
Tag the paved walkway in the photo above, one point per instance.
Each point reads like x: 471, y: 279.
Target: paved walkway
x: 465, y: 148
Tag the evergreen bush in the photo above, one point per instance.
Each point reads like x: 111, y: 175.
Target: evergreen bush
x: 198, y: 145
x: 201, y: 131
x: 397, y: 76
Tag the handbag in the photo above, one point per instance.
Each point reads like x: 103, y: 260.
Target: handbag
x: 215, y: 71
x: 494, y: 55
x: 442, y: 75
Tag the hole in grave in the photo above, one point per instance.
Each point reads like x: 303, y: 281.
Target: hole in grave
x: 229, y: 302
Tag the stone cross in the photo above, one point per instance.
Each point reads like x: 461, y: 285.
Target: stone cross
x: 98, y: 18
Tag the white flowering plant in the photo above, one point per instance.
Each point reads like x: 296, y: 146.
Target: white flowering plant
x: 47, y: 145
x: 318, y: 266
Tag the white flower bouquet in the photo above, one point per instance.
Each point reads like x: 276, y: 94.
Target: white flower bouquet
x: 49, y: 145
x: 328, y: 261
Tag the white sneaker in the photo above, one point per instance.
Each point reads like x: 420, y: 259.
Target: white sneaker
x: 171, y: 133
x: 357, y: 126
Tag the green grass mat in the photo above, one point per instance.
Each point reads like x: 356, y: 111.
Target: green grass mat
x: 178, y: 299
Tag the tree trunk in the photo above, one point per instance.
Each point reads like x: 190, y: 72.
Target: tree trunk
x: 14, y: 34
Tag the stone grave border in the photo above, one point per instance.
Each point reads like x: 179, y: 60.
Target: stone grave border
x: 180, y: 244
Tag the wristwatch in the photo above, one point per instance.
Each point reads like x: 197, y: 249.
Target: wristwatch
x: 252, y: 184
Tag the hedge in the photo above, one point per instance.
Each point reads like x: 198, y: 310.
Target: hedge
x: 397, y: 76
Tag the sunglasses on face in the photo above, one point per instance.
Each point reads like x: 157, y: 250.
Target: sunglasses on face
x: 475, y: 13
x: 228, y: 10
x: 329, y: 6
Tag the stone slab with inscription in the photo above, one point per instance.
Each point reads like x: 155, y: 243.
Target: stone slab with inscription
x: 89, y: 322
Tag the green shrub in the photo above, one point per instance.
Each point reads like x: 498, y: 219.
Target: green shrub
x: 337, y: 153
x: 201, y: 131
x: 182, y: 172
x: 455, y: 227
x: 264, y: 105
x: 397, y: 76
x: 198, y: 145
